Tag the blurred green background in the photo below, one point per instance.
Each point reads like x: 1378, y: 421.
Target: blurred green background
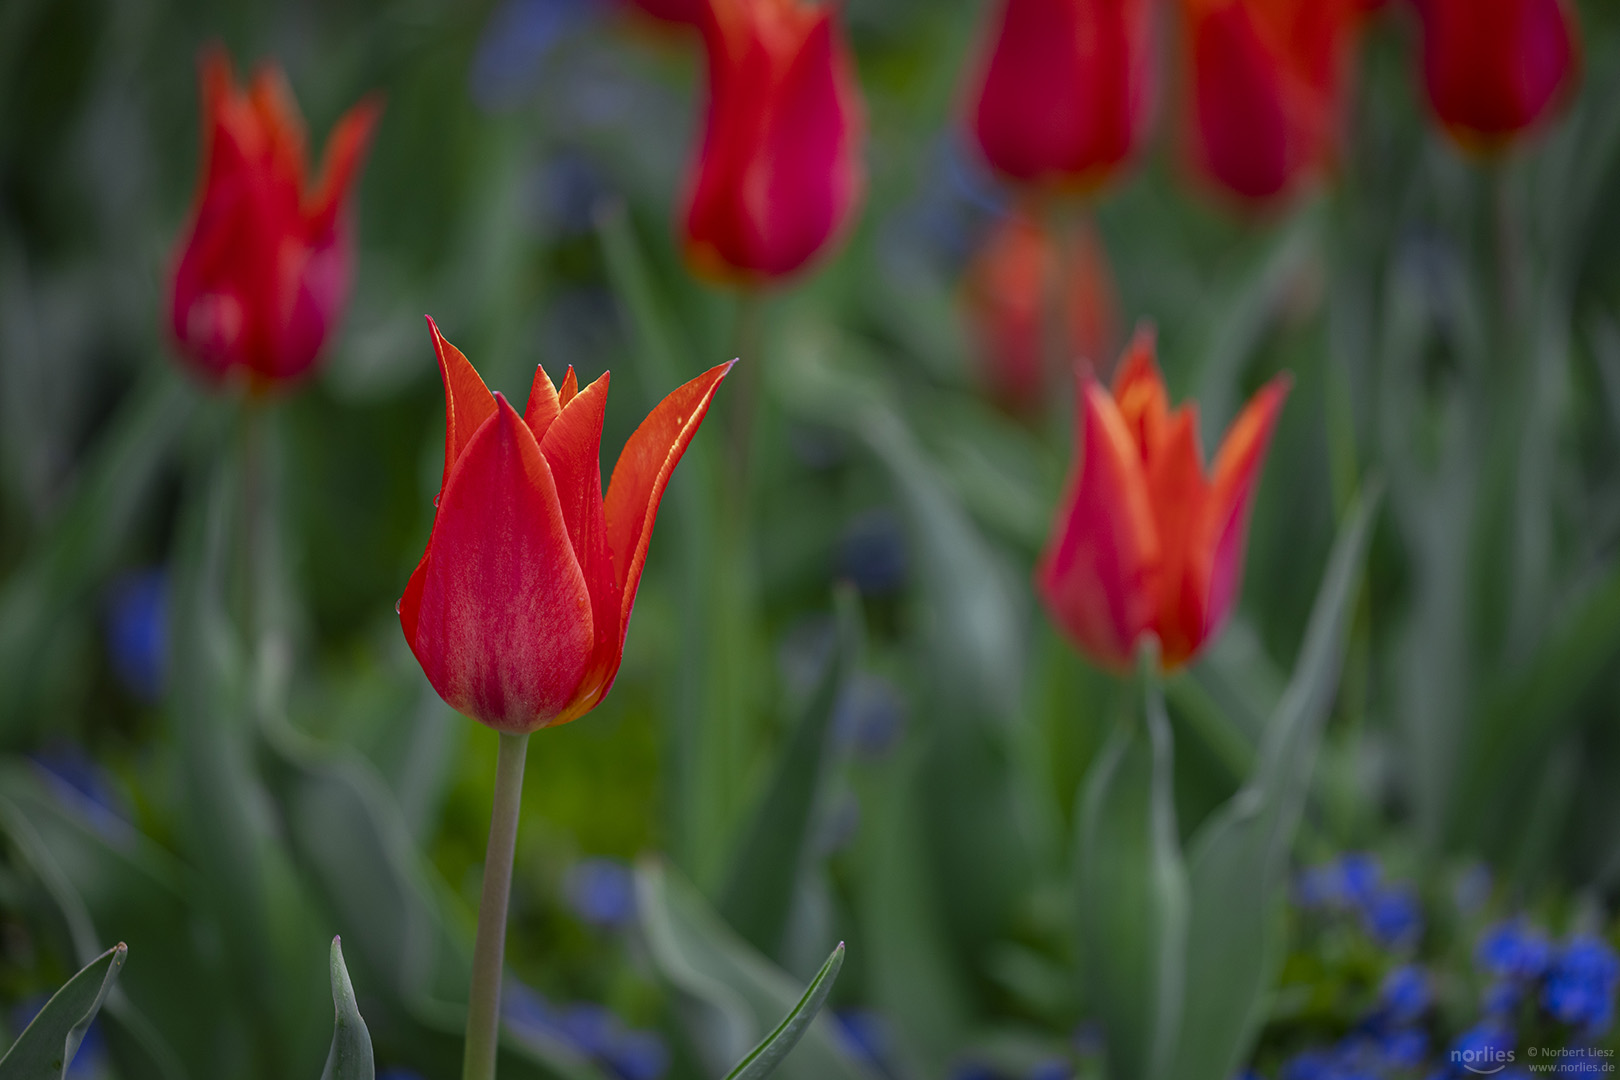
x: 893, y: 761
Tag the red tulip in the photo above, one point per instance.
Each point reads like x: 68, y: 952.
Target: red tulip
x: 1269, y: 83
x: 1013, y: 285
x: 779, y: 172
x: 1493, y: 68
x: 689, y: 12
x: 1145, y: 541
x: 1068, y: 87
x: 518, y: 610
x: 263, y: 273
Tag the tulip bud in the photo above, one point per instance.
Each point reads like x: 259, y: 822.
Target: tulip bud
x: 263, y: 273
x: 1269, y: 83
x: 1023, y: 291
x: 779, y: 171
x: 1493, y: 68
x: 1067, y: 88
x: 518, y: 610
x: 1144, y: 539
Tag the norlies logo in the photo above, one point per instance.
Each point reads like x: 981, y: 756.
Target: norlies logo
x: 1485, y: 1061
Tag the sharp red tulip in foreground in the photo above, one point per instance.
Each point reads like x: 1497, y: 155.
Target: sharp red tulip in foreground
x: 779, y: 171
x: 1268, y: 85
x: 1494, y: 68
x: 1067, y: 90
x: 1145, y: 540
x: 263, y: 273
x: 518, y: 610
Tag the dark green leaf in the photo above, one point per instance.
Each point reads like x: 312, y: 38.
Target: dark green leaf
x: 350, y: 1056
x: 1238, y: 868
x: 1133, y: 891
x: 47, y: 1045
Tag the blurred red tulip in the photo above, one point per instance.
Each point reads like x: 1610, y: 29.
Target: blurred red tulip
x: 263, y: 273
x: 1145, y: 541
x: 1067, y: 91
x: 1493, y: 68
x: 518, y: 610
x: 1013, y: 284
x: 1269, y: 83
x: 779, y: 172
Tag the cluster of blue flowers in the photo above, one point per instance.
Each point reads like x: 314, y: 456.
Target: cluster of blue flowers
x: 1388, y: 911
x: 1572, y: 984
x: 593, y: 1030
x: 1391, y: 1040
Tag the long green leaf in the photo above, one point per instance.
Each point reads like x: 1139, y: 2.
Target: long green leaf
x: 1133, y: 891
x: 776, y: 850
x: 764, y: 1058
x: 350, y: 1057
x: 47, y: 1045
x: 737, y: 995
x: 1238, y: 868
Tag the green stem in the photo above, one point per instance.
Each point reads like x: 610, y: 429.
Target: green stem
x: 746, y: 391
x: 484, y: 1004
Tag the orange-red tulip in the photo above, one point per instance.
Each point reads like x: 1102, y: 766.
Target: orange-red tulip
x: 1013, y: 285
x: 263, y: 273
x: 1144, y: 540
x: 517, y: 612
x: 779, y: 172
x: 1493, y: 68
x: 1068, y: 88
x: 1268, y: 87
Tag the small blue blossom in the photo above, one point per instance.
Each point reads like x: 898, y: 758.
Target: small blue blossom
x: 137, y: 629
x: 1515, y: 950
x: 870, y: 716
x: 1580, y: 985
x: 1393, y: 916
x: 1051, y: 1069
x: 1361, y: 877
x: 864, y: 1034
x: 1483, y: 1046
x: 1319, y: 887
x: 602, y: 892
x: 1405, y: 995
x: 638, y: 1055
x: 592, y: 1028
x: 1405, y: 1049
x: 1312, y: 1064
x: 871, y: 553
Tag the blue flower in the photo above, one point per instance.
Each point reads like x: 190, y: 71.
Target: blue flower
x: 1483, y: 1047
x: 1051, y: 1069
x: 1393, y: 916
x: 1360, y: 877
x: 1513, y: 949
x: 137, y: 629
x: 864, y: 1034
x: 1580, y: 986
x: 872, y: 552
x: 1319, y: 887
x: 592, y: 1028
x: 602, y: 891
x: 1405, y: 995
x: 870, y: 716
x: 639, y: 1055
x: 1315, y: 1064
x: 1404, y: 1049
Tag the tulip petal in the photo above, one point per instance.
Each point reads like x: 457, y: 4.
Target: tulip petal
x: 282, y: 125
x: 345, y: 151
x: 643, y: 471
x: 573, y: 448
x: 1096, y: 574
x: 570, y: 387
x: 543, y: 407
x: 1231, y: 494
x: 502, y: 617
x: 1176, y: 487
x: 1140, y: 395
x: 467, y: 401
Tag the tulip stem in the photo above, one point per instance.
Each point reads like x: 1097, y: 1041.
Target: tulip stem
x: 484, y: 1003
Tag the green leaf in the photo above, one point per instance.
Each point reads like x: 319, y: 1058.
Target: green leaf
x: 350, y: 1057
x: 1133, y: 890
x: 738, y: 995
x: 764, y: 1058
x: 1238, y: 868
x: 777, y: 848
x: 46, y: 1047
